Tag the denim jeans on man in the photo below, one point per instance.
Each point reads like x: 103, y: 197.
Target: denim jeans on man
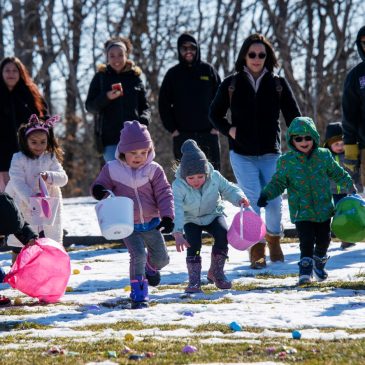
x: 252, y: 174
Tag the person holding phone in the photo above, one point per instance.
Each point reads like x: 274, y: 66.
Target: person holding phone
x: 116, y: 94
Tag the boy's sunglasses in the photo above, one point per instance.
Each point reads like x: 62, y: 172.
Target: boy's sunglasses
x: 301, y: 138
x: 253, y: 55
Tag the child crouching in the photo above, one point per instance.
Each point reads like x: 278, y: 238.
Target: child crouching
x: 198, y: 193
x: 305, y: 171
x: 135, y: 175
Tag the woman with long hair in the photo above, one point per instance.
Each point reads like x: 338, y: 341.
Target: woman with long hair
x: 19, y: 99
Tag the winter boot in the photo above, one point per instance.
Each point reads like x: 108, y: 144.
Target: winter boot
x: 2, y: 274
x: 319, y: 271
x: 305, y: 270
x: 276, y: 254
x: 152, y: 275
x: 194, y: 265
x: 345, y: 245
x: 215, y: 272
x: 257, y: 256
x: 4, y: 300
x: 139, y: 293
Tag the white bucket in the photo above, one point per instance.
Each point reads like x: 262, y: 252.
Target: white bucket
x: 115, y: 217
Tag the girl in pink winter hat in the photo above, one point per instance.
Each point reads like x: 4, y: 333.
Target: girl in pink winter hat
x: 135, y: 175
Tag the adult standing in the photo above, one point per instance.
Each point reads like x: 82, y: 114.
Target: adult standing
x: 186, y: 92
x: 255, y: 96
x: 353, y: 107
x: 117, y: 94
x: 19, y: 99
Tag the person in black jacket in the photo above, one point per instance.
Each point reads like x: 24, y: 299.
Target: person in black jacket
x: 186, y: 92
x: 117, y: 94
x: 19, y: 99
x: 255, y: 97
x: 12, y: 222
x: 353, y: 107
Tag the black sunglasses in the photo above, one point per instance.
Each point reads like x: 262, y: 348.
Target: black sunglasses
x: 260, y: 55
x: 301, y: 138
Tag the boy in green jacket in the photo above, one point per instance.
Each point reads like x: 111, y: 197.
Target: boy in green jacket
x: 305, y: 171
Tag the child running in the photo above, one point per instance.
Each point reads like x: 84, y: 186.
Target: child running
x: 12, y: 222
x: 305, y: 171
x: 40, y: 156
x: 198, y: 193
x: 135, y: 175
x: 334, y: 142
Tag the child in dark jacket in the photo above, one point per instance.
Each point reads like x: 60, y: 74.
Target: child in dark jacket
x: 135, y: 175
x: 334, y: 142
x: 12, y: 222
x: 305, y: 171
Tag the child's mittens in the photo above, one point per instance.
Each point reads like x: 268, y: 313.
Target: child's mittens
x: 167, y: 224
x: 98, y: 191
x: 262, y: 202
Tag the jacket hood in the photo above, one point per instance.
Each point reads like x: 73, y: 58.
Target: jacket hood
x: 186, y: 37
x: 302, y: 126
x: 358, y: 44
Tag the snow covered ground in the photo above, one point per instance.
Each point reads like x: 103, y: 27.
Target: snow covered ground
x: 99, y: 294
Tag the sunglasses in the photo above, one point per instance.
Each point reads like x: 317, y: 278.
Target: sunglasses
x: 260, y: 55
x: 301, y: 138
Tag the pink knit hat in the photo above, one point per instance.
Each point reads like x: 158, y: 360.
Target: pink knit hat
x: 134, y: 136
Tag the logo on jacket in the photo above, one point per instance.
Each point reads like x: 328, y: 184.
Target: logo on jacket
x: 362, y: 82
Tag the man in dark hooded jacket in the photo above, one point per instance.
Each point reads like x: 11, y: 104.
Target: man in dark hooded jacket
x: 353, y: 105
x: 186, y: 92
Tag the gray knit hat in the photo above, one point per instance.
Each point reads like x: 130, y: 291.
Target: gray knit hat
x: 193, y: 160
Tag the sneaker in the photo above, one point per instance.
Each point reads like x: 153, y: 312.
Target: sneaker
x: 4, y: 300
x: 319, y: 271
x: 305, y: 270
x: 345, y: 245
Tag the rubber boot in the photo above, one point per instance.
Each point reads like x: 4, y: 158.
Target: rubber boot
x: 319, y: 271
x: 216, y: 270
x: 273, y: 242
x: 257, y: 256
x: 139, y: 293
x: 194, y: 265
x: 305, y: 270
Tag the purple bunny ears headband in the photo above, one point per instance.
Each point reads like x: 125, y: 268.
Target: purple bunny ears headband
x: 34, y: 124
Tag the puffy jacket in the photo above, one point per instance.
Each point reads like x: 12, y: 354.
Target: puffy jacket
x: 307, y: 177
x: 254, y: 114
x: 353, y: 100
x: 147, y: 186
x: 202, y: 206
x: 133, y: 105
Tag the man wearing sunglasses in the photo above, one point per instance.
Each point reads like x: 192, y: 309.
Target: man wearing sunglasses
x: 185, y: 96
x: 353, y: 107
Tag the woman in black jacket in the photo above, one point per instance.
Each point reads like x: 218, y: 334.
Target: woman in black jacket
x: 255, y: 97
x: 19, y: 99
x: 116, y: 94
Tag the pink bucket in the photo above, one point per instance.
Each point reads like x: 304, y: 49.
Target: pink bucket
x: 246, y: 230
x: 41, y: 271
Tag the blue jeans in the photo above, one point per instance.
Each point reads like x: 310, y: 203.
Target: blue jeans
x: 252, y: 174
x: 109, y: 152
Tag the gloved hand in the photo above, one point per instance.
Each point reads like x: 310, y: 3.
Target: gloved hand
x: 167, y: 224
x: 98, y: 191
x: 351, y: 161
x: 262, y: 202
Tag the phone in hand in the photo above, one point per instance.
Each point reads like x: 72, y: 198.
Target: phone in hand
x: 118, y: 87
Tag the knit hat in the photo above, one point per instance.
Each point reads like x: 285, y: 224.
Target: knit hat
x: 134, y: 136
x: 334, y: 133
x: 193, y: 160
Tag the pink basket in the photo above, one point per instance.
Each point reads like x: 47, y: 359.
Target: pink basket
x: 246, y: 230
x: 41, y: 271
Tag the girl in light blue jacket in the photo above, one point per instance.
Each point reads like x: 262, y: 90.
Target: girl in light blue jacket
x: 199, y: 191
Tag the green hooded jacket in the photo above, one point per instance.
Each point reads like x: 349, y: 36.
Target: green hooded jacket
x: 307, y: 177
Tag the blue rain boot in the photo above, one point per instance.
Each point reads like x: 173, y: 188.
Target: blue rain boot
x: 139, y: 292
x: 319, y: 271
x: 305, y: 270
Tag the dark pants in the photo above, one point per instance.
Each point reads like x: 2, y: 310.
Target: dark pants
x: 209, y: 144
x: 314, y: 238
x: 193, y: 234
